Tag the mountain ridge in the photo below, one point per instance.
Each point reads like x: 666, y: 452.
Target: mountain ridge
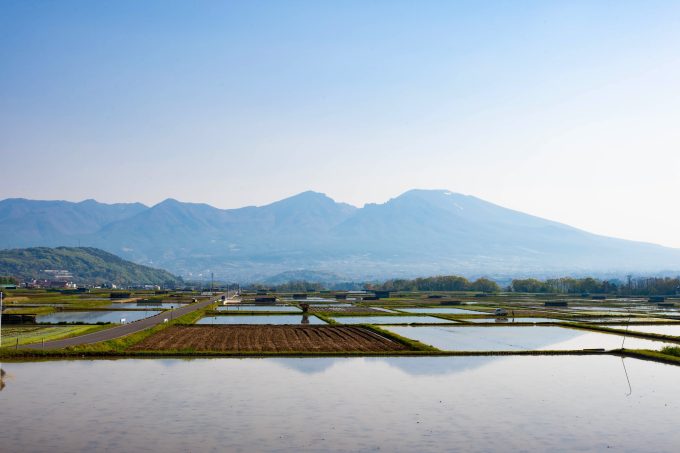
x: 420, y: 232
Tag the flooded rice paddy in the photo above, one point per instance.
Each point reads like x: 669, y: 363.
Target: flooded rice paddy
x: 524, y: 338
x: 261, y: 319
x: 338, y: 305
x: 424, y: 404
x: 161, y: 305
x: 315, y: 300
x: 93, y: 317
x: 240, y: 307
x: 600, y: 309
x: 662, y: 329
x: 443, y: 310
x: 391, y: 320
x: 616, y: 319
x: 511, y: 320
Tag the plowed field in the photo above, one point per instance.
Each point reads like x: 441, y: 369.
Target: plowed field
x: 268, y: 338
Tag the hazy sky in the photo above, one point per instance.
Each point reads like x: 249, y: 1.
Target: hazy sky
x: 566, y: 110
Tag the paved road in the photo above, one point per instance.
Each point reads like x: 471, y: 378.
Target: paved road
x: 121, y: 331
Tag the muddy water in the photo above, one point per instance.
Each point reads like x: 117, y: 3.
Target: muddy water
x: 426, y: 404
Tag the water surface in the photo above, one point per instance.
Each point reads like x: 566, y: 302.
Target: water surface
x: 511, y: 320
x: 391, y: 320
x: 443, y: 310
x: 163, y: 305
x: 261, y: 319
x: 93, y: 317
x: 662, y: 329
x: 315, y: 300
x: 521, y: 338
x: 281, y: 308
x: 423, y: 404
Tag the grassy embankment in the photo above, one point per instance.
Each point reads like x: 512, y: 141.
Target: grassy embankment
x: 13, y: 336
x: 669, y: 355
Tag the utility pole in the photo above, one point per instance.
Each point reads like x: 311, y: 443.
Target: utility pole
x: 212, y: 281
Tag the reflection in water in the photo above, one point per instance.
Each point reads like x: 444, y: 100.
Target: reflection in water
x: 625, y: 371
x: 420, y: 366
x: 2, y: 378
x: 514, y: 338
x: 499, y: 404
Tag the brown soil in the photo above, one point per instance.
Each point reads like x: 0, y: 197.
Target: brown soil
x: 268, y: 338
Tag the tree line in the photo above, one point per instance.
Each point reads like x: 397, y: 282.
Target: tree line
x: 7, y: 280
x: 639, y: 286
x: 439, y: 283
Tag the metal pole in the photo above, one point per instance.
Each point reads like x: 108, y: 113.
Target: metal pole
x: 1, y: 294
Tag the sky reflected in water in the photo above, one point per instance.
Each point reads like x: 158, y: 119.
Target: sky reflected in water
x: 495, y: 404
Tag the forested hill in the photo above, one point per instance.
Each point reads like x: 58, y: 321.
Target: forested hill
x: 87, y: 265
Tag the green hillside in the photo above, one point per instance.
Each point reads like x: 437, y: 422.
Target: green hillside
x: 87, y: 265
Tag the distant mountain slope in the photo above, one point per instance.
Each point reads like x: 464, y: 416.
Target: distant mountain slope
x: 302, y: 275
x: 421, y: 232
x: 87, y: 265
x: 32, y: 222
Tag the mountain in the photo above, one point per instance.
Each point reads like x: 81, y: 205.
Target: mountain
x: 421, y: 232
x: 302, y: 275
x: 29, y: 222
x: 87, y: 265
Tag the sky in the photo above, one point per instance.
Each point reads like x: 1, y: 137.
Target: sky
x: 565, y: 110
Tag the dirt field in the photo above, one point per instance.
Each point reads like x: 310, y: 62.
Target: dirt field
x: 269, y: 338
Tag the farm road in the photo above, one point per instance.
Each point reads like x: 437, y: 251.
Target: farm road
x: 121, y: 331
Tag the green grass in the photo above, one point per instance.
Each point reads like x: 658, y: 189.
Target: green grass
x: 327, y: 319
x: 29, y: 310
x: 36, y: 334
x: 671, y: 350
x: 669, y: 355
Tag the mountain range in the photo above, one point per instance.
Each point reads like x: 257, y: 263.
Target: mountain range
x: 421, y: 232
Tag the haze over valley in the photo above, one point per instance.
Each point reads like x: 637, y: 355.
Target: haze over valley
x: 418, y: 233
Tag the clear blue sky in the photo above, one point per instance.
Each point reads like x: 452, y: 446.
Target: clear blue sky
x: 567, y: 110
